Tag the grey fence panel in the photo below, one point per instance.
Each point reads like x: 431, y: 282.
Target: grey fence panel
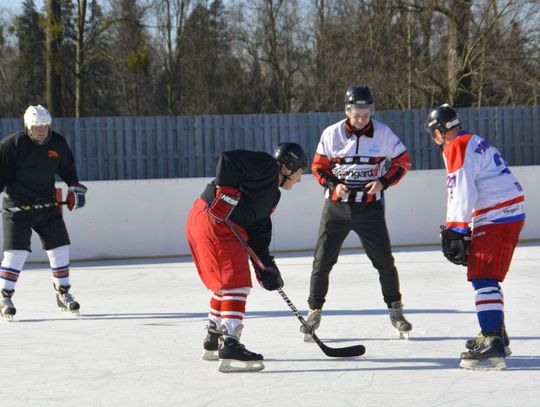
x: 111, y: 148
x: 533, y: 127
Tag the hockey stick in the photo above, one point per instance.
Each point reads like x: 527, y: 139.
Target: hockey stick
x: 348, y: 351
x: 27, y: 208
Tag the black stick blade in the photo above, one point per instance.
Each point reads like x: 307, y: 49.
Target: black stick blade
x: 347, y: 352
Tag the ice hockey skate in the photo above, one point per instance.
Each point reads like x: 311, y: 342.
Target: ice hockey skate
x: 7, y: 309
x: 234, y: 357
x: 488, y: 354
x: 399, y: 322
x: 65, y: 300
x: 471, y: 343
x: 211, y: 343
x: 313, y: 320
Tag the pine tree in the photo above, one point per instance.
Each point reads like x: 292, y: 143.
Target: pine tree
x: 31, y: 44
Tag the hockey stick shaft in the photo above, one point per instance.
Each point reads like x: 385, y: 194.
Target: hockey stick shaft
x: 348, y: 351
x: 27, y: 208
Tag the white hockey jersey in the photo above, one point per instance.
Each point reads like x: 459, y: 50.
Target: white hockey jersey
x: 355, y: 160
x: 481, y: 187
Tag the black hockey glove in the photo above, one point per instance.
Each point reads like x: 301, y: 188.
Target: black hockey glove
x: 269, y: 278
x: 455, y: 246
x: 76, y: 196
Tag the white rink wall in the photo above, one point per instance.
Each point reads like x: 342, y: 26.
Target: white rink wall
x: 148, y: 217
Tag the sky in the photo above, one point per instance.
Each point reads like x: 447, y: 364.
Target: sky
x: 138, y: 340
x: 15, y: 6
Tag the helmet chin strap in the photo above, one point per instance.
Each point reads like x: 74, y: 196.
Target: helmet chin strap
x: 284, y: 177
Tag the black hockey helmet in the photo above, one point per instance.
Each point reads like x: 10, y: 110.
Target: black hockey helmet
x: 443, y: 118
x: 291, y: 155
x: 359, y: 96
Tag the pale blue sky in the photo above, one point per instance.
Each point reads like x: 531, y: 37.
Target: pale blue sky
x: 15, y: 5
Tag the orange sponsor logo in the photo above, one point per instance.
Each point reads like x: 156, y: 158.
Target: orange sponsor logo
x: 53, y: 154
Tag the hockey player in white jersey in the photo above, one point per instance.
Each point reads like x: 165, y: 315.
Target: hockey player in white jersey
x: 351, y: 163
x: 485, y: 215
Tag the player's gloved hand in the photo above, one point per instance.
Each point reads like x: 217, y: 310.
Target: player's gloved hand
x: 226, y: 200
x: 76, y: 196
x: 455, y: 246
x: 269, y: 278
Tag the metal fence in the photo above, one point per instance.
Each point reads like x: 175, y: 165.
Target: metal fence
x: 117, y: 148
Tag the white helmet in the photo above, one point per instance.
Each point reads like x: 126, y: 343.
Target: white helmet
x: 37, y: 116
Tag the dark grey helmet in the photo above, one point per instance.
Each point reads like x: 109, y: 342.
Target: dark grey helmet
x: 291, y: 155
x: 443, y: 118
x: 359, y: 95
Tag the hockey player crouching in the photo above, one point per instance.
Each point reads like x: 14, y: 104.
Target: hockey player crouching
x: 484, y: 217
x: 244, y: 192
x: 29, y: 161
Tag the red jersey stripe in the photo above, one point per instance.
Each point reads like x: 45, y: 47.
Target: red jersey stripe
x: 500, y: 205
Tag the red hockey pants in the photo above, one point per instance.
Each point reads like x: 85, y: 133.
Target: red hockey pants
x: 221, y: 261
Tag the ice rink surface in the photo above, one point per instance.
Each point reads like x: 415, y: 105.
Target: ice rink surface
x: 139, y: 339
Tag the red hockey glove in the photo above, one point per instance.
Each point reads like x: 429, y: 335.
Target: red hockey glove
x: 226, y: 200
x: 76, y: 196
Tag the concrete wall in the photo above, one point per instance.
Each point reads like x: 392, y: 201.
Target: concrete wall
x: 147, y: 217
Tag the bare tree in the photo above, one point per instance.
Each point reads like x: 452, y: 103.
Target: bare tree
x: 274, y: 47
x: 171, y: 17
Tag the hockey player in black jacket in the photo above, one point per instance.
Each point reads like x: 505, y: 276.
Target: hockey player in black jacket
x: 244, y: 192
x: 29, y: 161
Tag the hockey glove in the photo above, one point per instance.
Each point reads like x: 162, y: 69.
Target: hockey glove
x: 269, y: 278
x: 76, y: 196
x: 226, y: 200
x: 455, y: 246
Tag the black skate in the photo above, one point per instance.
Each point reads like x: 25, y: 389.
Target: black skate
x: 7, y: 309
x: 471, y: 343
x: 399, y: 322
x: 234, y: 357
x: 211, y: 342
x: 65, y: 300
x: 487, y: 354
x: 313, y: 320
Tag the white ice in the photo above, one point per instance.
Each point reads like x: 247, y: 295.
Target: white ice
x: 139, y: 339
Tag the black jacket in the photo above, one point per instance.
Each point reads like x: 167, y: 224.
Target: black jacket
x: 256, y: 175
x: 27, y: 170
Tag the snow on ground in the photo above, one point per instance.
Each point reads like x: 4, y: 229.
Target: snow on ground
x: 139, y: 340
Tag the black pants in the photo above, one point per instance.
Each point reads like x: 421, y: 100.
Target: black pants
x: 367, y: 220
x: 48, y: 223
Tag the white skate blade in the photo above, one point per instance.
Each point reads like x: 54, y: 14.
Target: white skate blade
x: 8, y: 317
x: 488, y: 364
x: 211, y: 355
x: 240, y: 366
x: 403, y: 334
x: 75, y: 312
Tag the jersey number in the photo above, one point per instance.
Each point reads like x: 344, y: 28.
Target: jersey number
x: 499, y: 160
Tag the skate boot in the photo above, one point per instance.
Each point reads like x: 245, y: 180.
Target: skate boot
x: 211, y: 341
x: 487, y: 354
x: 234, y: 357
x: 7, y: 309
x: 399, y: 322
x: 65, y: 300
x: 471, y: 343
x: 313, y: 320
